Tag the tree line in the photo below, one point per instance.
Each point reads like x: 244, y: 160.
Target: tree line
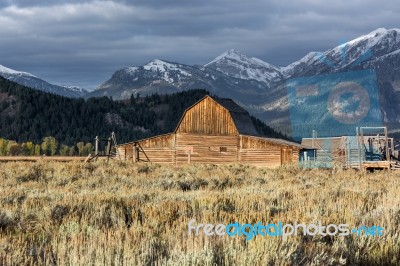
x: 30, y: 115
x: 68, y: 126
x: 49, y: 146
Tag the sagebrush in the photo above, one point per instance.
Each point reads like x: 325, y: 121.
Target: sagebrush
x: 120, y: 213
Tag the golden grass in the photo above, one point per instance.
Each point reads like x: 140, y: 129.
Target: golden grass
x: 119, y: 213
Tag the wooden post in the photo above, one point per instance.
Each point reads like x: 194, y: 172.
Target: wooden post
x: 189, y: 151
x: 359, y: 147
x: 135, y: 152
x: 387, y: 147
x: 96, y: 146
x: 345, y: 152
x: 108, y: 150
x: 88, y: 158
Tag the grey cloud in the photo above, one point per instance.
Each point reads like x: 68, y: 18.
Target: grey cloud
x: 84, y: 42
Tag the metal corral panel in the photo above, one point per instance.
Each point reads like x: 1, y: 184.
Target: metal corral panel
x: 345, y: 151
x: 329, y: 151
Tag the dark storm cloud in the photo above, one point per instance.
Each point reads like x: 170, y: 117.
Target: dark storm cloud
x: 84, y: 42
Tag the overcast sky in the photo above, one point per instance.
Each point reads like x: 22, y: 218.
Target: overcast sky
x: 82, y: 42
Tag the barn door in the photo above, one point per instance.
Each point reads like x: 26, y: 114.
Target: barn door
x: 286, y: 155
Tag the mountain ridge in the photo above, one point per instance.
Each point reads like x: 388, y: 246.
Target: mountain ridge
x: 34, y: 82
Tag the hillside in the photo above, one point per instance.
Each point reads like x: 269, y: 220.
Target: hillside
x: 31, y: 115
x: 34, y: 82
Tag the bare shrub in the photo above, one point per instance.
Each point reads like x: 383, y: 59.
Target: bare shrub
x: 157, y: 253
x: 34, y: 173
x: 7, y: 223
x: 58, y: 213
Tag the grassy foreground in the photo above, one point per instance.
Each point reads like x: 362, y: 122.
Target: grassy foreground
x: 124, y: 214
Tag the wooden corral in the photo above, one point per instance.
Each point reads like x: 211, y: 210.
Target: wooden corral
x: 215, y: 131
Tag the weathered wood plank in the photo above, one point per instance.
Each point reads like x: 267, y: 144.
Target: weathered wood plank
x: 207, y: 117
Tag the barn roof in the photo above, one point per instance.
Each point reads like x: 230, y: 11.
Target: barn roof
x: 229, y: 104
x: 240, y: 116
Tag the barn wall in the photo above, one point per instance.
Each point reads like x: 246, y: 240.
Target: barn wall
x: 206, y: 149
x: 158, y: 149
x: 296, y: 156
x: 261, y: 152
x: 162, y: 141
x: 207, y: 117
x: 157, y: 155
x: 175, y: 149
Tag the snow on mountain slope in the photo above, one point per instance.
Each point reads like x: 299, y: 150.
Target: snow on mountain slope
x: 347, y: 56
x: 77, y: 89
x: 169, y: 72
x: 371, y: 37
x: 5, y: 71
x: 235, y: 64
x: 370, y: 46
x: 164, y: 77
x: 164, y: 66
x: 29, y: 80
x: 290, y: 69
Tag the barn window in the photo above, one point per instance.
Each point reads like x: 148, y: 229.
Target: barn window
x: 223, y: 149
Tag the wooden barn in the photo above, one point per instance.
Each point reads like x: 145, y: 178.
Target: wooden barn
x: 213, y: 130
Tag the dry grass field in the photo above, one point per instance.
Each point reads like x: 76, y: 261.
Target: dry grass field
x: 73, y: 213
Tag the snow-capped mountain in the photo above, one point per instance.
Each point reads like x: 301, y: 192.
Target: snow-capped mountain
x: 34, y: 82
x: 378, y: 51
x: 78, y: 90
x: 235, y: 64
x: 261, y: 87
x: 348, y: 56
x: 162, y: 77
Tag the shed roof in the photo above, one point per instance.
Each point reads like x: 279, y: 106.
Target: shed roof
x: 282, y: 142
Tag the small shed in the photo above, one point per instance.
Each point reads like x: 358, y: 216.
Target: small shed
x: 213, y: 130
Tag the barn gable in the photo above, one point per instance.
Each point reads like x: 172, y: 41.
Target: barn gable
x: 216, y: 116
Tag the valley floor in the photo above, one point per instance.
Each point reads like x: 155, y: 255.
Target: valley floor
x: 119, y: 213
